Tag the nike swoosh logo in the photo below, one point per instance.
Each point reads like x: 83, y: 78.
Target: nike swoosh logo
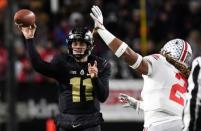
x: 74, y: 126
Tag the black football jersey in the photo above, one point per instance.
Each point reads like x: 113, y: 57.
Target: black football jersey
x: 78, y: 93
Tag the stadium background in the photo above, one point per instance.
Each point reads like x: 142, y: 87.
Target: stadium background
x: 28, y: 100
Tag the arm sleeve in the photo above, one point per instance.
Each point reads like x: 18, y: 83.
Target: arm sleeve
x: 45, y: 68
x: 101, y: 84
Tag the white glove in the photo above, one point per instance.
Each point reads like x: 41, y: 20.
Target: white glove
x: 97, y: 16
x: 129, y: 101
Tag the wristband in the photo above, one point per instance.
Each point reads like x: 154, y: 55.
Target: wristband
x: 122, y: 48
x: 106, y: 35
x: 137, y: 63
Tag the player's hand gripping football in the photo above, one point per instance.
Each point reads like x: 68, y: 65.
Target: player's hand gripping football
x: 97, y: 16
x: 92, y: 70
x: 28, y: 32
x: 129, y: 101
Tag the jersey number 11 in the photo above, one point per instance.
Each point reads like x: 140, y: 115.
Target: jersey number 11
x: 77, y: 84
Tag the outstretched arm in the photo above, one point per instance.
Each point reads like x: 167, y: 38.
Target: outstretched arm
x: 118, y: 47
x: 38, y: 64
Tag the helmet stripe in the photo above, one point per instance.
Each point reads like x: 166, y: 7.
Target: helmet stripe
x: 184, y: 52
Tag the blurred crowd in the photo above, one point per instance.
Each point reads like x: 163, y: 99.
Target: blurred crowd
x: 166, y: 19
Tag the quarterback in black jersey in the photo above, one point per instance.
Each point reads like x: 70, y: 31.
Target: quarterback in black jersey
x: 83, y: 79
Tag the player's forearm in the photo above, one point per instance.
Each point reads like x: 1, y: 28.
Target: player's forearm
x: 101, y: 88
x: 101, y: 84
x: 121, y: 49
x: 118, y: 47
x: 33, y: 54
x: 38, y: 64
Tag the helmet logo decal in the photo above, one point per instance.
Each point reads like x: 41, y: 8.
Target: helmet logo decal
x: 82, y: 72
x: 184, y: 51
x: 73, y: 72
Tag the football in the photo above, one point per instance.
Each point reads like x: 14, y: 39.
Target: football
x: 24, y: 17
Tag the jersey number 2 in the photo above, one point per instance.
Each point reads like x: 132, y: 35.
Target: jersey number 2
x: 76, y: 85
x: 177, y: 88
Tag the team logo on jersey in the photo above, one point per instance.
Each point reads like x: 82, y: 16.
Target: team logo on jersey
x: 73, y: 72
x: 82, y: 72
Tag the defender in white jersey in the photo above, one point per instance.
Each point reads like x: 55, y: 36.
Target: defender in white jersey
x: 165, y: 77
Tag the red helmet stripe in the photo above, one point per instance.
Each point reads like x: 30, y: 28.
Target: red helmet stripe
x: 184, y: 52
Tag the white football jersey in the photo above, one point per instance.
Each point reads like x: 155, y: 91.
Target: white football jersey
x: 164, y: 89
